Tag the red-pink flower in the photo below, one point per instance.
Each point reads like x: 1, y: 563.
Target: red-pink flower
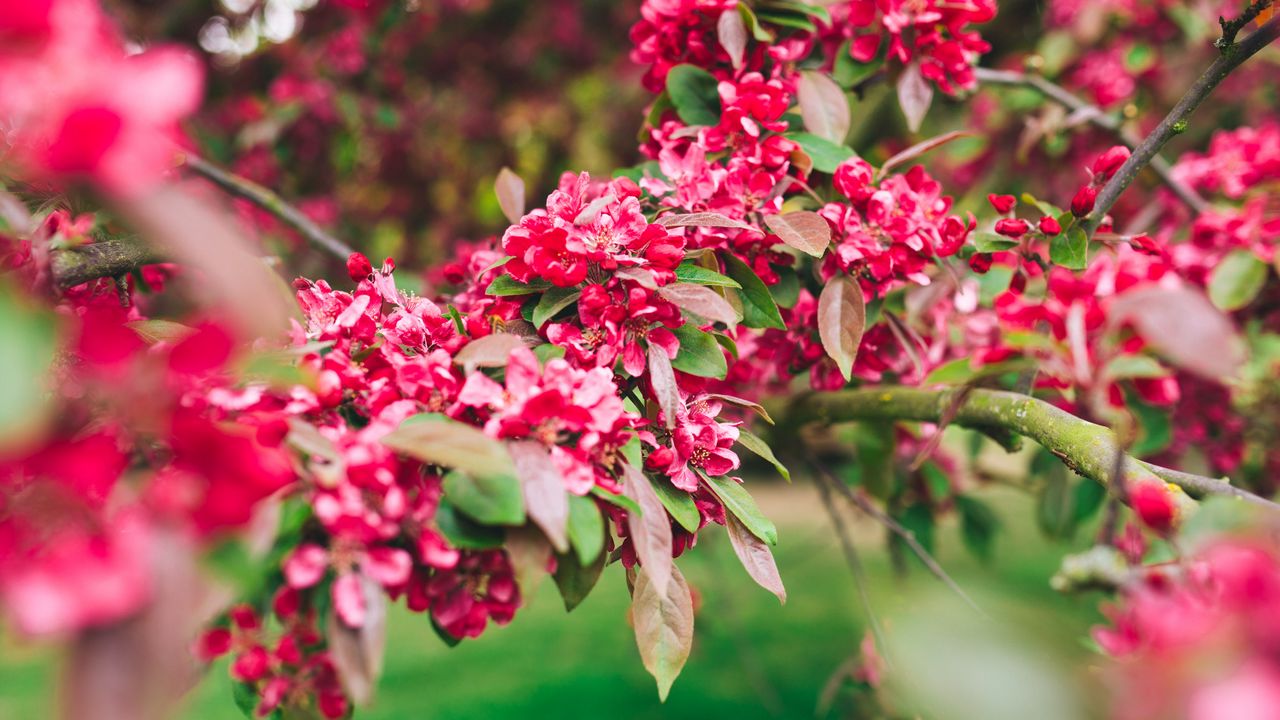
x: 576, y: 413
x: 81, y: 107
x: 308, y: 564
x: 701, y: 443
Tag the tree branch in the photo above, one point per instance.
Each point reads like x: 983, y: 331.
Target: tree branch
x: 1231, y: 28
x: 108, y: 258
x: 1233, y: 55
x: 1090, y: 450
x: 1096, y: 117
x: 272, y: 203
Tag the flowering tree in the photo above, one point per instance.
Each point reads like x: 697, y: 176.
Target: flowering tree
x: 198, y: 458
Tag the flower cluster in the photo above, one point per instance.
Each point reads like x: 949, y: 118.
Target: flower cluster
x: 80, y: 507
x: 1199, y: 639
x: 933, y: 36
x: 81, y: 106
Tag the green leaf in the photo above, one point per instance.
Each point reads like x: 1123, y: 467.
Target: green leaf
x: 802, y: 8
x: 1135, y: 366
x: 1237, y: 280
x: 782, y: 18
x: 575, y: 580
x: 993, y: 282
x: 1140, y: 58
x: 552, y: 302
x: 1156, y: 429
x: 918, y: 519
x: 736, y: 500
x: 621, y: 501
x: 1086, y: 498
x: 246, y: 698
x: 753, y: 24
x: 758, y: 308
x: 978, y: 525
x: 464, y: 533
x: 989, y: 242
x: 636, y: 173
x: 489, y: 499
x: 505, y: 285
x: 727, y: 343
x: 1054, y: 511
x: 825, y: 154
x: 956, y: 372
x: 26, y: 353
x: 1070, y: 248
x: 439, y: 440
x: 757, y: 445
x: 698, y: 275
x: 699, y: 354
x: 849, y: 72
x: 230, y: 560
x: 695, y: 94
x: 787, y: 290
x: 586, y: 528
x: 679, y: 503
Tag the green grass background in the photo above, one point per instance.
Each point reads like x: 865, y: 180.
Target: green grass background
x: 752, y: 658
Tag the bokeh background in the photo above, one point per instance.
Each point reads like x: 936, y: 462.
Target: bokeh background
x: 388, y: 125
x: 751, y: 658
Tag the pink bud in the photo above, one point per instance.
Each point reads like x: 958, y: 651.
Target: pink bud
x: 1109, y: 162
x: 1012, y: 227
x: 1154, y: 505
x: 1082, y: 203
x: 1050, y: 226
x: 358, y: 267
x: 1002, y: 203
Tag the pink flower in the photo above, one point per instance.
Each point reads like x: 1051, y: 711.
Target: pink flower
x: 80, y: 107
x: 701, y: 443
x: 308, y: 564
x: 576, y: 413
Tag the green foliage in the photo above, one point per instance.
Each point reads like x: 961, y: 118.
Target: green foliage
x: 757, y: 305
x: 694, y: 94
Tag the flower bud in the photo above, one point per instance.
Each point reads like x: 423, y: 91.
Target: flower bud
x: 1050, y: 225
x: 1012, y: 227
x: 1082, y: 203
x: 1145, y: 245
x: 1154, y: 505
x: 1109, y: 162
x: 358, y: 267
x: 1002, y: 203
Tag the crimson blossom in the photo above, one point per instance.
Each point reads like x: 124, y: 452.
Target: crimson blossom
x: 577, y: 391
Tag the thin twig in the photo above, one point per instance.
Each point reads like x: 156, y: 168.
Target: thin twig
x: 1233, y: 55
x: 272, y: 203
x: 1231, y: 28
x: 851, y: 558
x: 862, y: 503
x: 1198, y: 485
x: 1099, y: 119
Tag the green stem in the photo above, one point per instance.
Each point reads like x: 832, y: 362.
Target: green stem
x: 1090, y: 450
